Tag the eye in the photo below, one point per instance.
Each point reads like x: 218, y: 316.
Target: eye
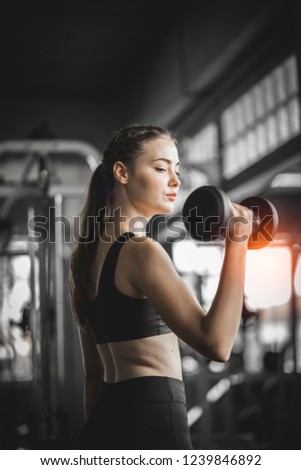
x: 161, y: 170
x: 177, y: 173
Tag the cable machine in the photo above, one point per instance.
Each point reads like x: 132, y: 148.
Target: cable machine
x: 42, y: 183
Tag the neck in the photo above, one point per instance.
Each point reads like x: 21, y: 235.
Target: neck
x: 123, y: 219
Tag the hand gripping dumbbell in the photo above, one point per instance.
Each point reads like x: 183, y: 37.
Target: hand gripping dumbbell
x: 207, y: 211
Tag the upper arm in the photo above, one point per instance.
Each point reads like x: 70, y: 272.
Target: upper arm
x: 91, y: 360
x: 155, y: 275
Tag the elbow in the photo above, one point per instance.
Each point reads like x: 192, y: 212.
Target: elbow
x: 218, y: 353
x: 216, y: 345
x: 221, y: 356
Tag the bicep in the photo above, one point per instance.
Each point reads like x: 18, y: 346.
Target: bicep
x: 156, y: 276
x: 91, y: 360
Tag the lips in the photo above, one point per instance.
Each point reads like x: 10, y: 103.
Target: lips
x: 171, y: 196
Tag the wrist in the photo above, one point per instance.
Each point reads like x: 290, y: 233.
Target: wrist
x: 237, y: 245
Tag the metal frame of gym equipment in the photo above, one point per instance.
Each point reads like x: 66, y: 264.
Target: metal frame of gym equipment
x: 49, y: 357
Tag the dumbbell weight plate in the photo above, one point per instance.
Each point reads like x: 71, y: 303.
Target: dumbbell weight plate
x: 265, y: 221
x: 205, y: 213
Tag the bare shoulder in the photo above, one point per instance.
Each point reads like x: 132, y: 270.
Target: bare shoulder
x: 148, y: 261
x: 146, y: 250
x: 143, y: 260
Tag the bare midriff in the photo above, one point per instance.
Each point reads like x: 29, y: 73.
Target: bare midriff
x: 151, y: 356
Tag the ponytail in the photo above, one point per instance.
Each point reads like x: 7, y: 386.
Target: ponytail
x: 91, y: 225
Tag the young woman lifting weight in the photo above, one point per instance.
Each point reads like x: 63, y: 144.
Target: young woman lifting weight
x: 131, y: 305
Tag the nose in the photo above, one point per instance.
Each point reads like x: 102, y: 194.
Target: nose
x: 174, y: 180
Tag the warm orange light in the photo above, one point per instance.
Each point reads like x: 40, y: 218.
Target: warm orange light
x: 268, y: 277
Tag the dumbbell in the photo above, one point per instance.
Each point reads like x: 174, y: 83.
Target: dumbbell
x: 207, y: 211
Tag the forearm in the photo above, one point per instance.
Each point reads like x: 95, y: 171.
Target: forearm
x: 92, y: 388
x: 223, y: 318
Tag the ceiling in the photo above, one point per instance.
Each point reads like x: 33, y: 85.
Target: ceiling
x: 80, y: 50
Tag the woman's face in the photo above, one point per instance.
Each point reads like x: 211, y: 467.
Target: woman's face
x: 153, y: 183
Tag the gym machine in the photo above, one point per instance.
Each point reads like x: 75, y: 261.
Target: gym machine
x: 39, y: 191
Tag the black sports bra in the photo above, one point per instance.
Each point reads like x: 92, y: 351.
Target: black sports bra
x: 114, y: 316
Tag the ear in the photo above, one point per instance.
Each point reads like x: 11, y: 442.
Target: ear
x: 120, y: 172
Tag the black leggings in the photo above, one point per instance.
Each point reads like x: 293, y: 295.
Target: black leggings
x: 140, y: 413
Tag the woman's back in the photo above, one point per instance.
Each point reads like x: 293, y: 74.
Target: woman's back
x: 131, y: 338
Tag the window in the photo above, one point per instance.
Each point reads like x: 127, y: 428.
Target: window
x: 262, y: 119
x: 203, y: 146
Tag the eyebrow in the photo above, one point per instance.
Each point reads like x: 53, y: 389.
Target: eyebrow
x: 166, y: 160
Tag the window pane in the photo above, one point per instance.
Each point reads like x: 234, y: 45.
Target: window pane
x: 258, y: 100
x: 230, y: 160
x: 252, y: 146
x: 266, y: 116
x: 294, y: 115
x: 272, y: 134
x: 291, y: 75
x: 269, y: 92
x: 249, y: 108
x: 282, y: 117
x: 203, y: 146
x: 280, y: 83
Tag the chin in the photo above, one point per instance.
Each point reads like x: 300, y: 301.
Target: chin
x: 160, y: 210
x: 166, y: 209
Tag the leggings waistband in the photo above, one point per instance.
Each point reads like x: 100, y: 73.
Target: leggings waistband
x: 146, y: 389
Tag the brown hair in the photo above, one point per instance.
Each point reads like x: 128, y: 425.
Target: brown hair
x: 126, y: 146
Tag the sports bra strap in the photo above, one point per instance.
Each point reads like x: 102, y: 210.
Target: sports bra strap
x: 108, y: 270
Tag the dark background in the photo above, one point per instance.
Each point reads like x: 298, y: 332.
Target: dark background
x: 77, y: 71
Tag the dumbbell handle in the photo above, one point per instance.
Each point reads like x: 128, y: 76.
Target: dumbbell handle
x: 255, y: 222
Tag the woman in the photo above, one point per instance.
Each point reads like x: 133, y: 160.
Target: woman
x: 130, y: 304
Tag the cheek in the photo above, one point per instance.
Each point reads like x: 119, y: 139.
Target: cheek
x: 153, y: 188
x: 148, y: 182
x: 140, y: 188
